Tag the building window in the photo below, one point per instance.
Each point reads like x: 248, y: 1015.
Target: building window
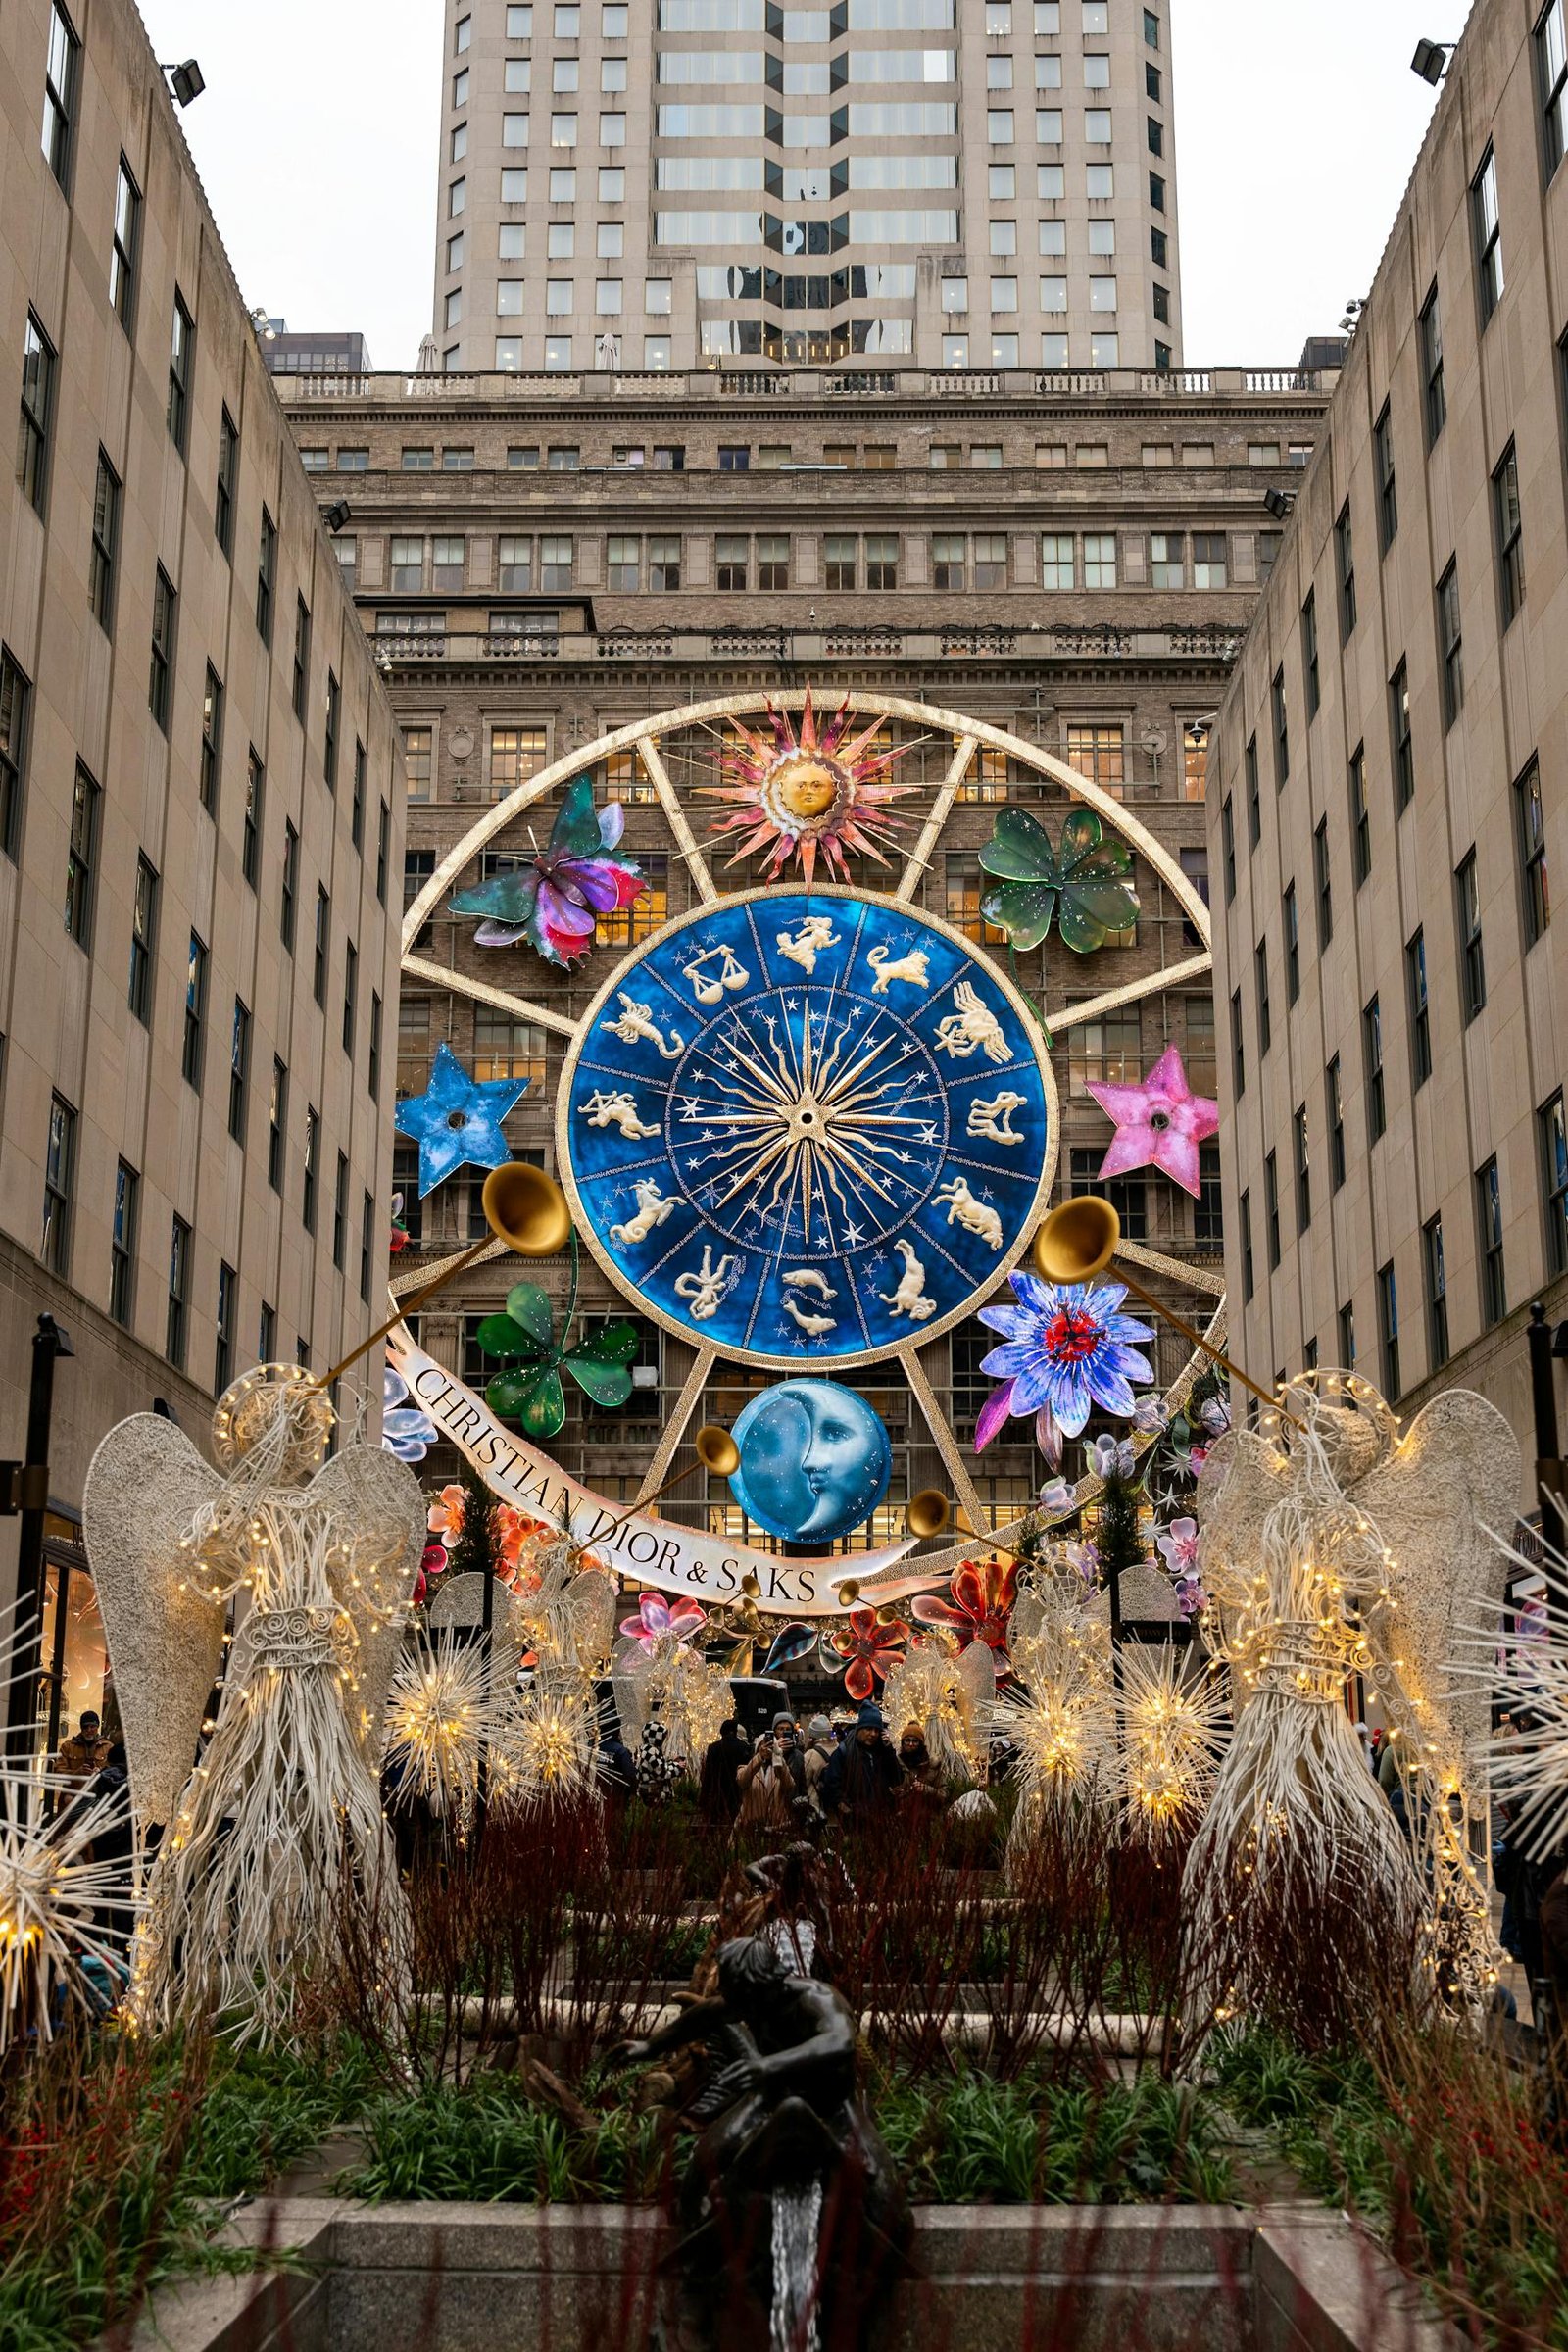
x: 624, y: 564
x: 1265, y: 1025
x: 1344, y: 570
x: 383, y: 848
x: 81, y: 858
x: 351, y: 990
x: 1304, y: 1169
x: 227, y: 1304
x: 289, y: 895
x: 1127, y: 1195
x: 1166, y: 560
x: 250, y: 845
x: 1227, y: 826
x: 143, y: 941
x: 210, y: 761
x: 122, y: 1245
x: 774, y: 560
x: 1347, y: 1319
x: 1389, y: 1331
x: 881, y: 560
x: 1195, y: 760
x: 1553, y: 1133
x: 277, y: 1124
x: 175, y: 1324
x: 105, y: 543
x: 1403, y: 739
x: 181, y: 351
x: 302, y: 656
x: 356, y: 803
x: 663, y: 564
x: 1420, y: 1009
x: 516, y: 755
x: 1434, y: 403
x: 366, y: 1236
x: 239, y: 1070
x: 1208, y: 1217
x: 1435, y: 1286
x: 1271, y: 1206
x: 1334, y: 1094
x: 15, y: 694
x: 1531, y: 825
x: 334, y: 704
x: 1057, y: 564
x: 37, y: 409
x: 1472, y: 960
x: 1099, y: 754
x: 1293, y: 944
x: 1099, y: 560
x: 1106, y: 1051
x: 1282, y: 732
x: 266, y: 577
x: 1552, y: 66
x: 193, y: 1050
x: 372, y: 1070
x: 555, y: 561
x: 1509, y: 525
x: 418, y: 753
x: 1323, y: 883
x: 162, y: 662
x: 1248, y: 1283
x: 1254, y: 805
x: 1489, y: 235
x: 340, y: 1210
x: 312, y: 1155
x: 964, y: 885
x: 1238, y: 1047
x: 54, y: 1246
x: 1372, y: 1056
x: 61, y: 61
x: 322, y: 944
x: 1383, y: 465
x: 1361, y: 818
x: 508, y: 1049
x: 1488, y: 1221
x: 1312, y: 675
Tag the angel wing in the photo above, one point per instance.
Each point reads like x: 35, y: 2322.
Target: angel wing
x: 378, y: 1502
x: 1241, y: 1480
x: 145, y: 1485
x: 1443, y: 1500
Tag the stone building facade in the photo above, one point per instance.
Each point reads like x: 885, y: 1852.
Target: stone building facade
x: 985, y: 185
x: 536, y: 570
x: 201, y: 811
x: 1389, y: 798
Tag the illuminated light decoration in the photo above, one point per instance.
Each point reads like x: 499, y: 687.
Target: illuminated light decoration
x: 1159, y: 1123
x: 436, y: 1721
x: 1172, y: 1727
x: 821, y: 790
x: 53, y: 1895
x: 1059, y: 1715
x: 948, y: 1693
x: 548, y: 1748
x: 672, y: 1685
x: 556, y: 897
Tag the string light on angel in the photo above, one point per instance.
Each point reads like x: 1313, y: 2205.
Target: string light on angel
x: 949, y: 1692
x: 1524, y: 1675
x: 1334, y: 1546
x: 279, y: 1825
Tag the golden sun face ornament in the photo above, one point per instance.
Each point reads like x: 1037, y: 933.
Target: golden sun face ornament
x: 820, y: 790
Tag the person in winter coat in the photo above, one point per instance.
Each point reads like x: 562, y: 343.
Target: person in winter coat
x: 923, y: 1790
x: 719, y: 1794
x: 861, y: 1783
x: 768, y: 1782
x: 819, y: 1752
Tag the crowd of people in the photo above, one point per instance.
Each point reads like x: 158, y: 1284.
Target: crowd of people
x: 849, y: 1772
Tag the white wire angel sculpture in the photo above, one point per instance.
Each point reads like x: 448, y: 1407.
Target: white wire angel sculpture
x: 1332, y: 1545
x: 279, y: 1824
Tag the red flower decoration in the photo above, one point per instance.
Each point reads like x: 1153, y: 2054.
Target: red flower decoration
x: 870, y: 1646
x: 981, y: 1607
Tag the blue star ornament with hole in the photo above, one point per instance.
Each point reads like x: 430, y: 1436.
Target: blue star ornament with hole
x: 457, y: 1121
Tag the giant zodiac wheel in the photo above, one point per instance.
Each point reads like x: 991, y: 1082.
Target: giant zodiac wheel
x: 808, y: 1123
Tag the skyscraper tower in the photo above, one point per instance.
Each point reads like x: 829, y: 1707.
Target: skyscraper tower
x: 652, y: 185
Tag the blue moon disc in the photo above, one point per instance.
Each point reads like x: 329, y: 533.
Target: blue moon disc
x: 815, y: 1460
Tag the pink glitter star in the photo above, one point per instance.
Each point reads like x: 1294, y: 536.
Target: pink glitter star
x: 1159, y: 1123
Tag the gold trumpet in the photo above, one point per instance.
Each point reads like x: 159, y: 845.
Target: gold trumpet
x: 1078, y: 1241
x: 930, y: 1513
x: 523, y: 1207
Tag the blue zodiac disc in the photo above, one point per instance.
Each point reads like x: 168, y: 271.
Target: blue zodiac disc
x: 815, y: 1460
x: 806, y: 1124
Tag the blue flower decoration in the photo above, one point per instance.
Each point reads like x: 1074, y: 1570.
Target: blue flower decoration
x: 1067, y: 1348
x: 456, y: 1122
x: 406, y: 1431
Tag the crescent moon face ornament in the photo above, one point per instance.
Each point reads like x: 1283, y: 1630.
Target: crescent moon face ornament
x: 834, y: 1126
x: 815, y: 1460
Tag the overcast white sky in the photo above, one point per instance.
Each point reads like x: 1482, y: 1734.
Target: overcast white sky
x: 317, y: 134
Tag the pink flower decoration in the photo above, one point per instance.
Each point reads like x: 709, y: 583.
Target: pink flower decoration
x: 1179, y: 1544
x: 1159, y: 1123
x: 656, y: 1617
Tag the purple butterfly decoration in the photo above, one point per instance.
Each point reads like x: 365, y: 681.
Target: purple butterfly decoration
x: 555, y: 898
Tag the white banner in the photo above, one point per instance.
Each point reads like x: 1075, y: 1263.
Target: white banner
x: 655, y: 1552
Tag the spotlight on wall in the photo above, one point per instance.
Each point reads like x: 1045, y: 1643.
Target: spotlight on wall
x: 1430, y: 60
x: 337, y: 516
x: 187, y: 81
x: 1279, y: 503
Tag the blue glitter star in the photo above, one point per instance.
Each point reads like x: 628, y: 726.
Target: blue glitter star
x: 457, y: 1123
